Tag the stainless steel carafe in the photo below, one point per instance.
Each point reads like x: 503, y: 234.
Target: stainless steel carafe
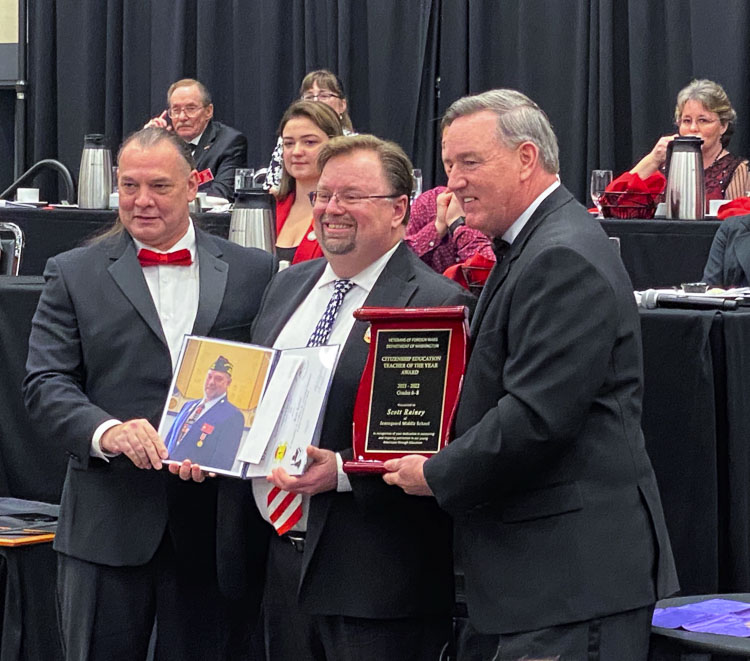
x: 253, y: 222
x: 95, y: 175
x: 686, y: 188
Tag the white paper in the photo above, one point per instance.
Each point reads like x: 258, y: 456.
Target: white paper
x: 300, y: 419
x: 269, y: 410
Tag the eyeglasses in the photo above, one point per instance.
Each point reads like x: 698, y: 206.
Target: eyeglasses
x: 320, y: 96
x: 190, y: 111
x: 701, y: 121
x: 323, y: 197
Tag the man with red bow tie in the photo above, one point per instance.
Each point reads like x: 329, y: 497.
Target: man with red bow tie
x: 134, y: 543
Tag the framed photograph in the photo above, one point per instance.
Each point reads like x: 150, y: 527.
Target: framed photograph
x: 214, y: 396
x: 241, y: 410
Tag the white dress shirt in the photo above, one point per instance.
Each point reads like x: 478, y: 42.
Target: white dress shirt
x: 175, y: 291
x: 297, y: 332
x: 515, y: 229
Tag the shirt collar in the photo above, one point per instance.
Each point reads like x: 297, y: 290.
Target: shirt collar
x: 515, y: 229
x: 187, y: 241
x: 196, y: 140
x: 366, y: 278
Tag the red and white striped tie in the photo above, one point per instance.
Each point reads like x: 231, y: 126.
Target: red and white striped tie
x: 284, y: 509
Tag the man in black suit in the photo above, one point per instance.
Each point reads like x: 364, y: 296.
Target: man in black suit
x: 133, y: 542
x: 557, y: 513
x: 360, y: 569
x: 218, y: 149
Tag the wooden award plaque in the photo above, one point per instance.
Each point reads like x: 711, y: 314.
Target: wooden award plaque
x: 409, y: 390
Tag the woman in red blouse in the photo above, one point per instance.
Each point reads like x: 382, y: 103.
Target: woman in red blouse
x: 305, y: 127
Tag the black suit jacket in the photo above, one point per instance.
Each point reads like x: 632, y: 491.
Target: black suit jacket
x: 97, y: 351
x: 223, y: 149
x: 558, y: 516
x: 728, y: 262
x: 374, y: 552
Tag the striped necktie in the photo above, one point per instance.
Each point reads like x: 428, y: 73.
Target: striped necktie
x: 285, y: 508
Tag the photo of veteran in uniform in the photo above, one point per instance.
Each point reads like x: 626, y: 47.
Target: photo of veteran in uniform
x: 208, y: 430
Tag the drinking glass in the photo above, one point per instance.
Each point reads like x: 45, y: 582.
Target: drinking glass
x: 416, y: 190
x: 243, y: 179
x: 600, y: 179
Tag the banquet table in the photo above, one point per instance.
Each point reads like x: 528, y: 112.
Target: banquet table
x: 696, y: 421
x: 663, y: 253
x: 655, y: 252
x: 52, y: 231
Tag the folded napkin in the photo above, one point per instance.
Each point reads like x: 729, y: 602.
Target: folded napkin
x: 471, y: 274
x: 739, y: 206
x: 629, y: 196
x: 633, y: 183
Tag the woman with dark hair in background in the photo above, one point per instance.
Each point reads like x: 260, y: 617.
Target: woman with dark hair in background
x: 319, y: 85
x: 305, y: 127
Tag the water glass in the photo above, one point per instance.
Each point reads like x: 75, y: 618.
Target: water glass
x: 600, y: 179
x: 416, y: 189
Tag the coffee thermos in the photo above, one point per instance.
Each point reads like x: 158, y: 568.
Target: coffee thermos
x: 253, y: 222
x: 685, y: 195
x: 95, y: 175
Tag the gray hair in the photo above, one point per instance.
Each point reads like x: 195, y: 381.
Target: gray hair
x: 519, y: 120
x: 189, y: 82
x: 714, y: 99
x: 153, y: 135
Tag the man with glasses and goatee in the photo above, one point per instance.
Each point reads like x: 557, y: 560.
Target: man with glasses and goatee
x: 356, y: 568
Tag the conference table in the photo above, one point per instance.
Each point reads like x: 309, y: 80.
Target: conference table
x: 655, y: 252
x: 51, y: 231
x: 663, y: 253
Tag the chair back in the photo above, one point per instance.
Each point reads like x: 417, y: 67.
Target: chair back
x: 11, y: 248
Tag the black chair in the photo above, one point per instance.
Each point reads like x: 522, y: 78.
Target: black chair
x: 11, y: 248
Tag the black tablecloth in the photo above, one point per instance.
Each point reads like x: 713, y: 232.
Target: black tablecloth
x: 663, y: 253
x: 52, y: 231
x: 697, y: 427
x: 31, y: 465
x: 655, y: 252
x: 27, y: 602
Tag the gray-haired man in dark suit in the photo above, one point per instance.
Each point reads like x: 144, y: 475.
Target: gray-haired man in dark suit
x: 556, y: 508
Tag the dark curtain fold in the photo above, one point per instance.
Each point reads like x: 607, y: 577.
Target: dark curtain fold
x: 606, y: 71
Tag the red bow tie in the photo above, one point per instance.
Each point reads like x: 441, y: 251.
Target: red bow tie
x: 177, y: 258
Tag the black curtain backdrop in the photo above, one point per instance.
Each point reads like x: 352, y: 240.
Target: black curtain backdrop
x: 606, y: 71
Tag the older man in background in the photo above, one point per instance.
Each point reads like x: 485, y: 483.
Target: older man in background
x: 217, y: 149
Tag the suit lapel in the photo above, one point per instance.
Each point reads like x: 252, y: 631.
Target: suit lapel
x: 393, y: 288
x: 205, y: 143
x: 500, y: 271
x: 213, y: 282
x: 282, y: 304
x: 128, y: 275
